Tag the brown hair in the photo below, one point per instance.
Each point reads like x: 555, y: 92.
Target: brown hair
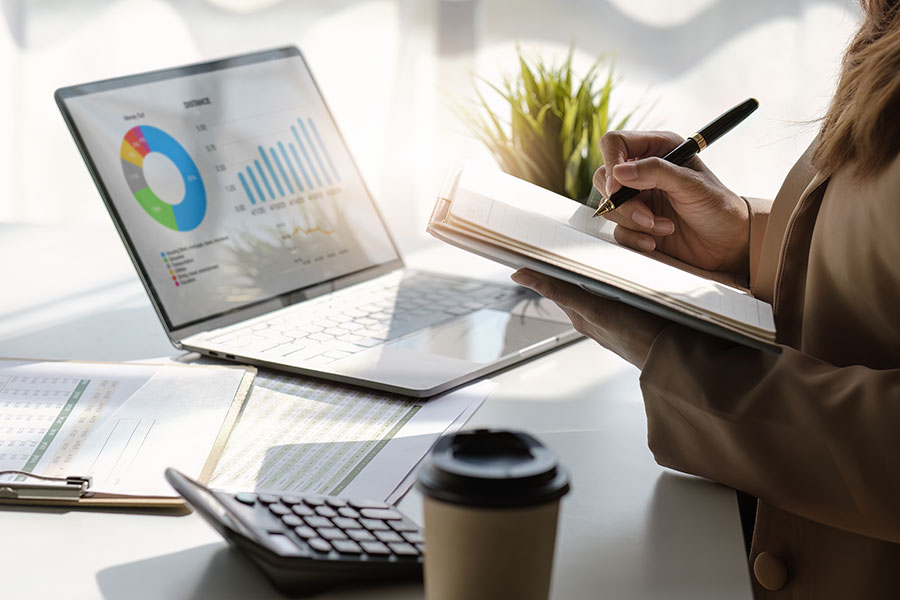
x: 861, y: 130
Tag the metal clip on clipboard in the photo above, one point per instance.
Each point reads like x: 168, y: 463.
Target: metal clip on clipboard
x: 51, y: 488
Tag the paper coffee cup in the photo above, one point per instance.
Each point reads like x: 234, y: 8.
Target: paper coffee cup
x: 491, y: 508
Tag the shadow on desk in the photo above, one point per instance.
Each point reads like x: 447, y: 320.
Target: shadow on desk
x: 119, y: 334
x: 678, y: 526
x: 631, y: 530
x: 211, y: 572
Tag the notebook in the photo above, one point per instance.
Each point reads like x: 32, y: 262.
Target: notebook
x: 519, y: 224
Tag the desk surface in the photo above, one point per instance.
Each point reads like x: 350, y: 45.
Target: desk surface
x: 629, y: 529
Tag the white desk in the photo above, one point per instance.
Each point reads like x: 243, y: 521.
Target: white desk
x: 629, y: 528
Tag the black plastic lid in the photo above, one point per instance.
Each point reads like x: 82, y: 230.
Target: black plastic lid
x: 492, y: 468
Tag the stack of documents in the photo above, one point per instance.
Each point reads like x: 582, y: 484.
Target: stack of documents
x: 518, y: 224
x: 298, y: 434
x: 103, y: 433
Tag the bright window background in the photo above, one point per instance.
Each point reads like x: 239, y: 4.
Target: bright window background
x: 388, y: 67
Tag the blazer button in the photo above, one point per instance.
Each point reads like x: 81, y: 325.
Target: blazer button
x: 770, y: 571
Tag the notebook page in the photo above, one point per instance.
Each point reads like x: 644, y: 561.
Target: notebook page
x: 537, y: 200
x: 516, y: 209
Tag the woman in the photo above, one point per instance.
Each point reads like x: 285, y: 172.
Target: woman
x: 812, y: 432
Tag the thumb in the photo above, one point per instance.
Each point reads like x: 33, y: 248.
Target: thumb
x: 656, y: 174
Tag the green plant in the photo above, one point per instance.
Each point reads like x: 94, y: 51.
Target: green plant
x: 552, y: 136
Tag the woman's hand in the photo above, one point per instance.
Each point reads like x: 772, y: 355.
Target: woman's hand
x: 685, y: 212
x: 625, y: 330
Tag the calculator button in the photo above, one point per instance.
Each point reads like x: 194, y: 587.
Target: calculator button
x: 291, y: 499
x: 367, y: 504
x: 347, y: 547
x: 268, y: 498
x: 403, y: 549
x: 361, y: 535
x: 384, y: 514
x: 375, y: 548
x: 305, y: 532
x: 345, y: 523
x: 373, y: 524
x: 401, y: 526
x: 286, y: 547
x: 302, y: 510
x: 350, y: 513
x: 332, y: 533
x: 336, y: 502
x: 388, y: 536
x: 313, y: 501
x: 319, y: 544
x: 292, y: 520
x: 317, y: 522
x: 414, y: 537
x: 279, y: 509
x: 246, y: 497
x: 326, y: 511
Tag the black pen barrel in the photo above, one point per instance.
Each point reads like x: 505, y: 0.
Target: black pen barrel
x: 727, y: 121
x: 683, y: 152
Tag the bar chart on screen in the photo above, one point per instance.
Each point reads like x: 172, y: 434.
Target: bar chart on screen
x: 277, y: 169
x: 295, y: 163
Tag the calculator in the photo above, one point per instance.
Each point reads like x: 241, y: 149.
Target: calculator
x: 306, y: 543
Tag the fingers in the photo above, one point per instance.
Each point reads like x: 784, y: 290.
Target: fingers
x: 599, y: 180
x: 657, y: 174
x: 636, y: 215
x: 634, y: 239
x: 620, y: 146
x: 569, y: 297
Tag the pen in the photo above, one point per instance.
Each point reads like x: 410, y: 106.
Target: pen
x: 685, y: 150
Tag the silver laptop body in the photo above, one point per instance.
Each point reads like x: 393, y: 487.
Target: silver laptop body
x: 258, y: 242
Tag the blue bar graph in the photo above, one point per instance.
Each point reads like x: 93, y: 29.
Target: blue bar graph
x: 306, y: 156
x: 276, y: 168
x: 246, y: 188
x: 300, y: 164
x: 290, y: 166
x: 256, y: 184
x: 312, y: 125
x: 281, y: 170
x: 264, y: 179
x: 271, y: 171
x: 315, y: 152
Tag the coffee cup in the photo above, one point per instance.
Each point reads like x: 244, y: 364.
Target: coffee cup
x: 491, y: 500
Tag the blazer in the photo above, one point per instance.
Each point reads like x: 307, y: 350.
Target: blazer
x: 813, y: 432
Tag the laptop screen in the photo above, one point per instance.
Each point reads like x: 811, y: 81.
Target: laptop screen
x: 230, y: 181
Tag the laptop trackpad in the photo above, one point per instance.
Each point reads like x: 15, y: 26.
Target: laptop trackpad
x: 482, y: 337
x: 429, y: 360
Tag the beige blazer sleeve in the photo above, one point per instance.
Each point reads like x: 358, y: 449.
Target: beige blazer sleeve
x: 814, y: 430
x: 813, y: 439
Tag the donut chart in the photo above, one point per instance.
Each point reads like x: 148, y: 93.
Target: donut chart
x: 138, y: 143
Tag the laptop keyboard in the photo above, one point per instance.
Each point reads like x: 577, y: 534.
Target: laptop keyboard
x: 348, y: 321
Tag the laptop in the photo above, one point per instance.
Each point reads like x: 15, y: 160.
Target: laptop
x: 258, y: 242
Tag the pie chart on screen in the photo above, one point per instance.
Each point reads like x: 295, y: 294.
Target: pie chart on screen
x: 142, y: 142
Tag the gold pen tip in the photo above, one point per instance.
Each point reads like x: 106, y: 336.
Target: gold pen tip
x: 605, y: 207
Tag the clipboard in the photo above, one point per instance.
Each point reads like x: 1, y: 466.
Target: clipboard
x: 80, y: 489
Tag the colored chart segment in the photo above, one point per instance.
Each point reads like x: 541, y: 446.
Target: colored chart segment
x: 136, y: 145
